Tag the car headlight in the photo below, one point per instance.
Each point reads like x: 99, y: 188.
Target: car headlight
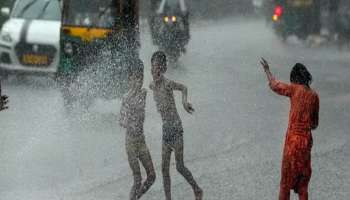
x: 166, y: 19
x: 68, y: 48
x: 6, y: 37
x: 174, y: 18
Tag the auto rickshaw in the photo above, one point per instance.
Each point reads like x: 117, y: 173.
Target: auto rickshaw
x: 98, y: 43
x: 341, y: 22
x: 296, y: 17
x: 170, y: 28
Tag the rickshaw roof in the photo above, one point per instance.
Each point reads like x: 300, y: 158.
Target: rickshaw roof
x: 164, y: 3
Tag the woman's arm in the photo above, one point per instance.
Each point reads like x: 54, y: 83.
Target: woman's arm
x: 277, y: 86
x: 266, y: 67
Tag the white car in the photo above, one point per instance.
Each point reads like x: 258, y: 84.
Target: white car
x: 29, y: 40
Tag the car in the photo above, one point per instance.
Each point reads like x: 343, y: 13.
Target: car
x: 29, y: 39
x: 170, y: 28
x: 5, y: 4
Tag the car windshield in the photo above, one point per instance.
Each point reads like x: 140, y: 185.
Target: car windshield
x: 37, y: 9
x: 102, y: 13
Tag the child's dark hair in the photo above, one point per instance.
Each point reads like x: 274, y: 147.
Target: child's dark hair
x: 300, y: 75
x: 160, y: 58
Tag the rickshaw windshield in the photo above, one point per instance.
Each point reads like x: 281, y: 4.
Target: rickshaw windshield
x: 173, y: 6
x: 300, y: 3
x: 344, y: 3
x: 344, y: 11
x: 86, y: 13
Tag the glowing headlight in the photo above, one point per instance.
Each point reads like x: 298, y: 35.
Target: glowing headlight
x: 166, y: 19
x: 6, y: 37
x: 174, y: 18
x: 68, y: 48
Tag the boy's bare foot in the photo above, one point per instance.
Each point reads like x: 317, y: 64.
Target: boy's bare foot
x: 198, y: 194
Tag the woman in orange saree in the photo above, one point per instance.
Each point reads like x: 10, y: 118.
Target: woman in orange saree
x: 303, y: 118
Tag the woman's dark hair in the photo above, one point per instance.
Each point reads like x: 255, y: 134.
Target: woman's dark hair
x: 300, y: 75
x: 160, y: 58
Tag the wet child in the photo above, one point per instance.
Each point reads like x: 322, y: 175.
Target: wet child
x: 3, y: 101
x: 132, y: 118
x: 303, y: 118
x: 163, y: 89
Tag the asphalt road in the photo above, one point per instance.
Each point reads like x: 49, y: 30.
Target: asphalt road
x: 233, y: 142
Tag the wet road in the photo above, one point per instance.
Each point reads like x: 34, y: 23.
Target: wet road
x: 233, y: 142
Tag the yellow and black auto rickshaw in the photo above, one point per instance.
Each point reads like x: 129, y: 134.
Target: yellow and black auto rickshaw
x: 296, y: 17
x: 98, y: 43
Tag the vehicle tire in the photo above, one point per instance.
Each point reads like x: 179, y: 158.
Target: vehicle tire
x: 280, y: 32
x: 284, y: 37
x: 64, y: 83
x: 68, y: 98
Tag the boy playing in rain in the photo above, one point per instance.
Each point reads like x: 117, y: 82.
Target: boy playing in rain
x: 132, y: 118
x: 172, y: 126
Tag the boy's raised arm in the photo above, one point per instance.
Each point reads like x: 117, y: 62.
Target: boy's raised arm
x: 178, y: 86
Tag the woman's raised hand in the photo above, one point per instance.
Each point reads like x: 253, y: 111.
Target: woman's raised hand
x: 265, y: 64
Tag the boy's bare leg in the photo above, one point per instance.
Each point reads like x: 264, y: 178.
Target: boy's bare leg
x: 147, y: 163
x: 182, y: 169
x: 135, y: 168
x: 166, y: 155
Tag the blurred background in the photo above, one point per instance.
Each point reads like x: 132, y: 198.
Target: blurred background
x: 64, y: 67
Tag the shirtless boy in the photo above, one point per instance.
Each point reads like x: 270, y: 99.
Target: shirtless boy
x: 172, y: 126
x: 132, y: 118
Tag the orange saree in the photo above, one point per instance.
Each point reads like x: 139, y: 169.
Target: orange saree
x: 303, y: 117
